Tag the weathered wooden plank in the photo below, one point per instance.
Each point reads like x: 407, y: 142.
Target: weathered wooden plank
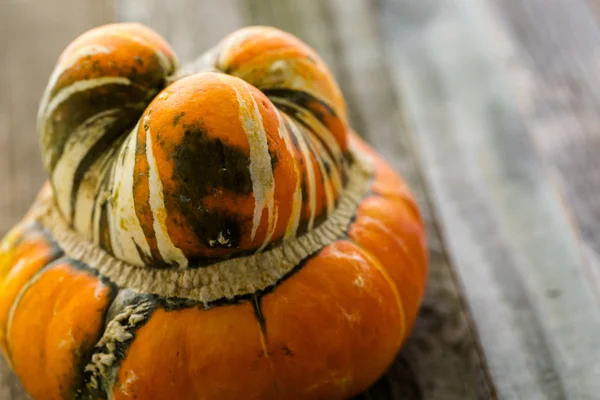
x: 551, y: 50
x: 440, y: 361
x: 506, y: 227
x: 33, y: 35
x: 443, y: 351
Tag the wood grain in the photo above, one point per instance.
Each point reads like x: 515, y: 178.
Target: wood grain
x: 554, y: 73
x: 504, y: 222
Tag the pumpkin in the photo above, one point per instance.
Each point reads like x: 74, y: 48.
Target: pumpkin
x: 215, y: 231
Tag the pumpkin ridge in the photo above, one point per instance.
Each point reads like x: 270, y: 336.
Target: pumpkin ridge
x: 25, y: 241
x: 264, y: 341
x: 15, y: 304
x: 301, y: 99
x: 99, y: 205
x: 294, y: 111
x: 54, y: 258
x: 326, y: 181
x: 376, y: 263
x: 401, y: 243
x: 85, y: 343
x: 256, y: 305
x: 114, y: 290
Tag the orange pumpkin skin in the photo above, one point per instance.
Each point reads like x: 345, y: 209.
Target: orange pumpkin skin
x: 217, y: 234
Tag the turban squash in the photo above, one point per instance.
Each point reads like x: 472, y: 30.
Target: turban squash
x: 215, y: 231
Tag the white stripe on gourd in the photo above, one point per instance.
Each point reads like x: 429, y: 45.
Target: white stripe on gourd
x: 77, y: 146
x: 63, y: 95
x: 317, y: 129
x: 130, y: 233
x: 168, y: 251
x: 86, y: 199
x: 261, y: 171
x: 334, y: 173
x: 272, y: 208
x: 94, y: 231
x: 296, y: 213
x: 64, y: 64
x: 230, y: 44
x: 310, y: 172
x: 329, y: 197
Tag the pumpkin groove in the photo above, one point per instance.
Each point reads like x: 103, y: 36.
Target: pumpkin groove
x: 129, y: 313
x: 215, y: 231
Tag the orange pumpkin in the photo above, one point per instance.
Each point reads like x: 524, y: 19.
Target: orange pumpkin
x: 211, y: 232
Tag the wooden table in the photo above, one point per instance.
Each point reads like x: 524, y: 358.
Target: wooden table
x: 489, y: 108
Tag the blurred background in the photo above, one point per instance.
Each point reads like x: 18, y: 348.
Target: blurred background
x: 488, y: 108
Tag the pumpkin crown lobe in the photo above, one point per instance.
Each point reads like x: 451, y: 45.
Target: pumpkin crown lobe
x: 99, y: 88
x: 290, y: 73
x: 219, y: 164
